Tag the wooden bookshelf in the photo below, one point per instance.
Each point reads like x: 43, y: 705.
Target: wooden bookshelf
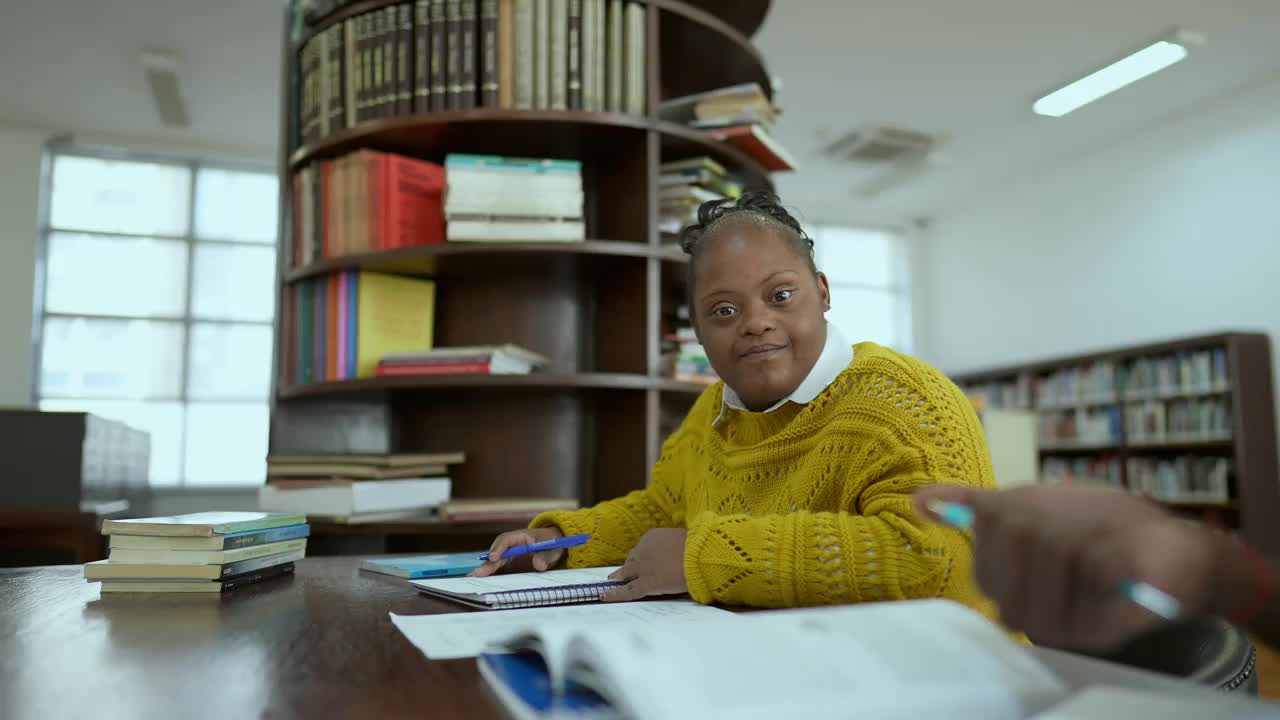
x: 1249, y: 443
x: 591, y: 424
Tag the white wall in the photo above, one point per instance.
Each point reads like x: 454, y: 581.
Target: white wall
x: 20, y: 158
x: 1173, y: 231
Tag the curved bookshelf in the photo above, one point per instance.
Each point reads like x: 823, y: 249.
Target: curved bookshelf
x: 550, y: 133
x: 719, y: 29
x: 460, y: 258
x: 544, y: 381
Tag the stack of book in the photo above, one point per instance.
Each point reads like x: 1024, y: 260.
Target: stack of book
x: 491, y: 198
x: 686, y: 184
x: 683, y: 355
x: 1104, y: 469
x: 434, y: 55
x: 486, y: 360
x: 740, y: 115
x: 1187, y: 373
x: 209, y: 552
x: 1186, y: 478
x: 358, y: 487
x: 364, y: 202
x: 338, y: 326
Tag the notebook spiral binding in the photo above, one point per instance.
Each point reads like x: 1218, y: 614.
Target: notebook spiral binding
x: 537, y: 597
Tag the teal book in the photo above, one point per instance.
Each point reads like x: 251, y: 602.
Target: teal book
x: 424, y: 566
x: 205, y: 524
x: 232, y: 541
x: 498, y: 164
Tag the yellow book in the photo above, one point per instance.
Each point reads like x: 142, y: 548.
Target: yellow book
x: 393, y: 314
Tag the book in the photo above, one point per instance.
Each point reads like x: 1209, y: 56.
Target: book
x: 489, y: 53
x: 558, y: 47
x: 439, y: 56
x: 340, y: 472
x: 499, y: 592
x: 497, y: 359
x: 453, y: 52
x: 424, y: 566
x: 634, y: 90
x: 182, y: 586
x: 506, y: 54
x: 755, y: 142
x: 615, y: 55
x: 204, y: 524
x: 541, y: 54
x: 700, y: 164
x: 390, y: 73
x: 231, y: 541
x: 573, y: 87
x: 737, y: 104
x: 395, y: 460
x: 404, y: 59
x: 524, y: 48
x: 349, y: 498
x: 469, y: 74
x: 589, y: 55
x: 911, y: 659
x: 108, y: 570
x: 422, y: 56
x: 486, y: 510
x: 515, y: 231
x: 203, y: 557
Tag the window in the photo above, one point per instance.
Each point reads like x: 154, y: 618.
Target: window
x: 870, y: 283
x: 157, y: 308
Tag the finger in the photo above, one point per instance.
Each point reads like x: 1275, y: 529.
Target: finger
x: 626, y: 573
x: 545, y: 560
x: 508, y: 540
x: 929, y: 494
x: 633, y: 590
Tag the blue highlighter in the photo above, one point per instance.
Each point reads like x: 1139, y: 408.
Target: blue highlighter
x: 1148, y: 596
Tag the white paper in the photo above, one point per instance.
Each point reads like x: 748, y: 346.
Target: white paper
x: 457, y: 635
x: 517, y: 581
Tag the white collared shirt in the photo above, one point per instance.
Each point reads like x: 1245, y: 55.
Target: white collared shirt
x: 835, y: 357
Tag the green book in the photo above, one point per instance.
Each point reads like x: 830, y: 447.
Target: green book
x: 204, y: 524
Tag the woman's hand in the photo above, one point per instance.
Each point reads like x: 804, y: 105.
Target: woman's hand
x: 538, y: 561
x: 655, y: 566
x: 1053, y: 559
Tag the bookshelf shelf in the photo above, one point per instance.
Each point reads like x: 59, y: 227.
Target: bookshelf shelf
x: 544, y: 381
x: 448, y: 259
x: 528, y: 133
x: 745, y: 16
x: 1215, y: 388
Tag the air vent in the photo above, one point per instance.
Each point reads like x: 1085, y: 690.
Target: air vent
x: 881, y: 144
x: 161, y: 70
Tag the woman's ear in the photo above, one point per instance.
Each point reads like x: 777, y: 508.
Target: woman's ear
x: 824, y: 290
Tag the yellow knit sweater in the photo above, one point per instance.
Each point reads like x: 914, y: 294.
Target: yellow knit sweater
x: 809, y: 504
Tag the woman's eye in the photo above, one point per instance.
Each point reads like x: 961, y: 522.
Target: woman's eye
x: 782, y: 295
x: 723, y: 311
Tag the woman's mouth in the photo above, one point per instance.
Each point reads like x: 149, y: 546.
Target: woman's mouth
x: 764, y: 351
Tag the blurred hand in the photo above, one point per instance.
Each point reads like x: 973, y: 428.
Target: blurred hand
x: 1053, y: 558
x: 538, y: 561
x: 655, y: 566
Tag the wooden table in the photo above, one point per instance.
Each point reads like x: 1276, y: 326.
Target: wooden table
x: 316, y: 645
x: 402, y: 536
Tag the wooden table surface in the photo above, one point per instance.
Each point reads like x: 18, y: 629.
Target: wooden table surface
x: 316, y: 645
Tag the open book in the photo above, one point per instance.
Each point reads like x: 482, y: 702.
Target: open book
x: 912, y: 659
x: 520, y: 590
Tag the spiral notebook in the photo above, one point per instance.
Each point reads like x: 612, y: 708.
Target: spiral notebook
x: 521, y: 590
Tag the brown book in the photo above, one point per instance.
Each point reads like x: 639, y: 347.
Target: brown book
x: 327, y: 471
x: 370, y: 72
x: 574, y: 89
x: 334, y: 78
x: 614, y: 56
x: 634, y: 76
x: 488, y: 53
x: 506, y: 54
x: 478, y: 510
x: 422, y: 56
x: 453, y: 52
x: 357, y: 69
x: 350, y: 73
x: 439, y: 56
x: 375, y: 64
x: 389, y: 87
x: 404, y: 66
x: 304, y: 94
x: 470, y: 32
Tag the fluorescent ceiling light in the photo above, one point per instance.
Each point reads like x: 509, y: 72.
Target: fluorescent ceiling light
x: 1153, y: 58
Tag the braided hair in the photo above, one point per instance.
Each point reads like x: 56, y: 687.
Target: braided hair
x: 758, y: 208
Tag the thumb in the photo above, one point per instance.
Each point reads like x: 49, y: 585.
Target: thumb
x: 947, y: 493
x: 540, y: 562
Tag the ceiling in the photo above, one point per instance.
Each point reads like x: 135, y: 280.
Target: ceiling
x: 969, y: 71
x: 966, y: 71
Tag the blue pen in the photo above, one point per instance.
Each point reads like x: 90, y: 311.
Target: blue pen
x: 1140, y: 593
x: 557, y: 544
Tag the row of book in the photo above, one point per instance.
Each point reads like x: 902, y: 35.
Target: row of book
x: 1156, y: 421
x: 1104, y: 470
x: 997, y: 395
x: 683, y: 357
x: 1168, y: 376
x: 1080, y: 427
x: 366, y: 201
x: 741, y: 115
x: 683, y: 185
x: 492, y: 198
x: 434, y: 55
x: 1182, y: 479
x: 1092, y: 383
x: 199, y: 553
x: 340, y: 325
x: 351, y: 488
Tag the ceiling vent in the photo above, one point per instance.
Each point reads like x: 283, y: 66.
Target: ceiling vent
x: 161, y: 69
x: 881, y: 144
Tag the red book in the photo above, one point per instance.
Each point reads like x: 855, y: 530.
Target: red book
x: 326, y: 210
x: 475, y: 368
x: 754, y: 141
x: 297, y: 219
x: 414, y: 202
x: 331, y: 329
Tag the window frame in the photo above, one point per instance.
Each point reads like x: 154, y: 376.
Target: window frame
x: 192, y: 240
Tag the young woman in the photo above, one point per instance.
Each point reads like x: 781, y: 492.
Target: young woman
x: 790, y: 482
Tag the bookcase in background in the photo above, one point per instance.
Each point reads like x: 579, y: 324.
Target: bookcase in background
x: 590, y: 424
x: 1188, y: 422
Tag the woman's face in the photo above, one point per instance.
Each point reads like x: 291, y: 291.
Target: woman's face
x: 758, y: 310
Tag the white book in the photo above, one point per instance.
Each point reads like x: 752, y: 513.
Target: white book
x: 893, y: 660
x: 524, y: 52
x: 504, y: 356
x: 460, y: 181
x: 515, y: 230
x: 530, y: 205
x: 589, y: 58
x: 616, y: 55
x: 204, y: 557
x: 353, y: 498
x: 634, y: 87
x: 541, y: 54
x: 557, y: 96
